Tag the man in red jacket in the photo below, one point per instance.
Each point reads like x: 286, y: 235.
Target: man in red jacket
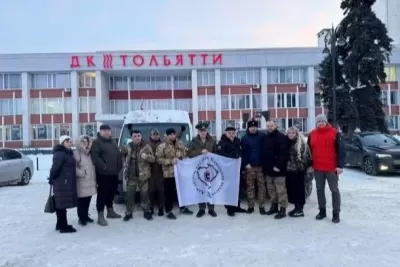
x: 327, y: 161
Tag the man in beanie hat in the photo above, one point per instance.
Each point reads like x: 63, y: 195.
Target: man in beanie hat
x: 251, y: 144
x: 167, y: 154
x: 202, y: 144
x: 327, y: 161
x: 275, y: 154
x: 108, y: 163
x: 229, y: 146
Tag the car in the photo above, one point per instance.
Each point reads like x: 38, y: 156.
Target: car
x: 373, y: 152
x: 15, y: 167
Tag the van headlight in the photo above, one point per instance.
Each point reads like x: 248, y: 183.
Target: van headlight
x: 381, y: 156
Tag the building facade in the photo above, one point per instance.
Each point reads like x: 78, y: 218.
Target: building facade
x: 43, y: 96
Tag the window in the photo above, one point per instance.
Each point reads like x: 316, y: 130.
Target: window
x: 182, y: 82
x: 150, y: 82
x: 87, y: 80
x: 286, y: 100
x: 119, y: 106
x: 393, y: 122
x: 206, y: 102
x: 287, y: 75
x: 318, y: 99
x: 88, y: 129
x: 50, y: 131
x: 118, y: 83
x: 122, y: 106
x: 212, y: 128
x: 391, y: 75
x: 56, y: 105
x: 299, y: 123
x: 280, y: 100
x: 9, y: 154
x: 240, y: 77
x: 384, y: 99
x: 394, y: 97
x: 205, y: 77
x: 11, y: 106
x: 11, y: 132
x: 240, y: 102
x: 10, y: 81
x: 230, y: 123
x: 291, y: 100
x: 183, y: 104
x: 302, y: 100
x: 87, y: 104
x: 50, y: 80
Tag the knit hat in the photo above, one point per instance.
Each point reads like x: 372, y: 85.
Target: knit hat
x: 321, y: 118
x: 64, y: 138
x: 252, y: 123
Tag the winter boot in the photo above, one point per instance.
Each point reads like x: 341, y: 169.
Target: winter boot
x: 230, y: 212
x: 281, y: 213
x: 298, y: 212
x: 161, y: 211
x: 262, y: 211
x: 186, y: 211
x: 171, y: 216
x: 82, y: 222
x: 335, y: 217
x: 101, y: 220
x: 89, y: 220
x: 152, y: 211
x: 250, y: 210
x: 200, y: 213
x: 67, y: 229
x: 290, y: 213
x: 147, y: 215
x: 321, y: 215
x: 212, y: 213
x: 127, y: 217
x: 273, y: 209
x: 111, y: 214
x: 240, y: 210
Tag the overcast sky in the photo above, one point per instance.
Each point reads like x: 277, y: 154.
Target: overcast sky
x: 89, y: 25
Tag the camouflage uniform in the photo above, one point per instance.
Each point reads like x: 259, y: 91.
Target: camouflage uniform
x: 166, y: 152
x: 137, y: 172
x: 276, y: 187
x: 253, y: 175
x: 195, y: 149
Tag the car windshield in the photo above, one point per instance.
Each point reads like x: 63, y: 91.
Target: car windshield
x: 145, y: 128
x: 379, y: 140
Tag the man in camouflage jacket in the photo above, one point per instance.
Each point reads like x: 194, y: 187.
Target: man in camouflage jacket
x: 167, y: 154
x: 202, y: 144
x: 138, y: 157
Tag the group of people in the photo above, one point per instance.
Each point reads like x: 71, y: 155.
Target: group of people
x: 275, y: 163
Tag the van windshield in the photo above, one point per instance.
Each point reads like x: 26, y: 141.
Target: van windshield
x: 146, y: 128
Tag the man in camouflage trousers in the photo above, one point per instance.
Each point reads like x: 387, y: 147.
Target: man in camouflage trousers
x: 202, y: 144
x: 251, y: 145
x: 167, y: 154
x: 275, y: 153
x: 137, y: 159
x: 157, y: 179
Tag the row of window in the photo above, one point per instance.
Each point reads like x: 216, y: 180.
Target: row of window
x: 10, y: 81
x: 122, y: 106
x: 150, y: 82
x: 59, y: 105
x: 283, y: 123
x: 12, y: 106
x: 50, y: 80
x: 391, y: 74
x: 240, y: 76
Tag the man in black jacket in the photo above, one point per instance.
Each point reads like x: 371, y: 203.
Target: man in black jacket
x: 275, y: 156
x: 229, y: 146
x: 108, y: 163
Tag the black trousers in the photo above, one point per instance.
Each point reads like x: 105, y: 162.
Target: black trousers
x: 83, y: 207
x: 62, y: 220
x: 170, y: 193
x: 295, y: 188
x: 107, y: 186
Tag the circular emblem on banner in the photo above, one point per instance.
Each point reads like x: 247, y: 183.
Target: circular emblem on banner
x: 208, y: 177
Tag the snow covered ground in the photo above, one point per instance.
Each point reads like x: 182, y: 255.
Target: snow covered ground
x: 368, y: 235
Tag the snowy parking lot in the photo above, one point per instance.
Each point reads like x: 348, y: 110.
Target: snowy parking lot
x: 368, y: 235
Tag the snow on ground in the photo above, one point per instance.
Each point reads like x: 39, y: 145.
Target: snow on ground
x: 367, y: 236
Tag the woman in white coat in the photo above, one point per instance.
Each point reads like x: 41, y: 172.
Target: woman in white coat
x: 86, y: 178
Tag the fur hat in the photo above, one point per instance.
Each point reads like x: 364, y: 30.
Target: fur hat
x: 252, y: 123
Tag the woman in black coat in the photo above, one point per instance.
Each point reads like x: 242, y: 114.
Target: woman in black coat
x: 63, y: 179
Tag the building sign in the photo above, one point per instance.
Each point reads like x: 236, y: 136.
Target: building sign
x: 138, y: 60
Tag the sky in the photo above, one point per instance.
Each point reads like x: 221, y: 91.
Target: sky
x: 93, y: 25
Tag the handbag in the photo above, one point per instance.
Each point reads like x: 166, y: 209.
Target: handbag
x: 50, y: 206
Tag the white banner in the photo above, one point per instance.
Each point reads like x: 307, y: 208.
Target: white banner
x: 208, y: 178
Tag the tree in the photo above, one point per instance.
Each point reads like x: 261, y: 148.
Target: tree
x: 364, y: 56
x: 346, y: 114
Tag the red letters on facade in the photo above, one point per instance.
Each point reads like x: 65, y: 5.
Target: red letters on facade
x: 138, y: 60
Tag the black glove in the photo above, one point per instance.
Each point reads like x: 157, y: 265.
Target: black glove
x: 50, y: 181
x: 183, y: 128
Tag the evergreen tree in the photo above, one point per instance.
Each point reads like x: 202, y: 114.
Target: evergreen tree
x: 364, y: 56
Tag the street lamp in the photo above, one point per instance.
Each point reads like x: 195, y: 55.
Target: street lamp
x: 331, y: 37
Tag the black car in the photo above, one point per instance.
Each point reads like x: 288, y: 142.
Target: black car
x: 374, y: 152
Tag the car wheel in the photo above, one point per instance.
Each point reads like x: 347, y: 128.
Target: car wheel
x: 369, y: 166
x: 26, y: 177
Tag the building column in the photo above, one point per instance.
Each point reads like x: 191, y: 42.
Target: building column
x: 218, y: 104
x: 172, y: 93
x: 75, y: 104
x: 264, y: 94
x: 26, y: 108
x: 102, y: 95
x: 311, y: 98
x: 195, y: 101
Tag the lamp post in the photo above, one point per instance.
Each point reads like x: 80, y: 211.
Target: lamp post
x: 332, y: 38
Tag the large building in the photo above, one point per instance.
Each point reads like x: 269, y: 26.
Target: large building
x: 43, y: 96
